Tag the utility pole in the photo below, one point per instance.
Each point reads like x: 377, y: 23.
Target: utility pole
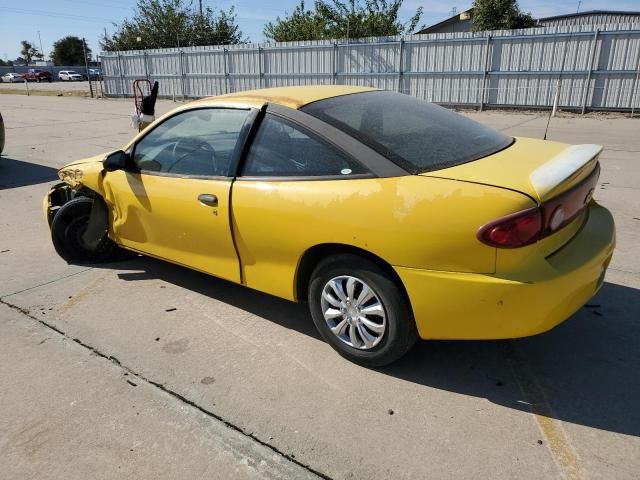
x: 86, y: 65
x: 579, y: 3
x: 200, y: 8
x: 41, y: 49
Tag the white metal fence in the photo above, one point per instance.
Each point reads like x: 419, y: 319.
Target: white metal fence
x: 594, y: 68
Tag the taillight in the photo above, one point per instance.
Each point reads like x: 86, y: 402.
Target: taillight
x: 517, y: 230
x: 529, y: 226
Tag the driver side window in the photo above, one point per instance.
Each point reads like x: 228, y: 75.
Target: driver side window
x: 195, y: 142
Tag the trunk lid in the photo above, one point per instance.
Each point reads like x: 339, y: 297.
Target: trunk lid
x: 538, y: 168
x: 559, y: 177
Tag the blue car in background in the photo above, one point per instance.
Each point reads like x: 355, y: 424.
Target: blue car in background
x: 94, y: 74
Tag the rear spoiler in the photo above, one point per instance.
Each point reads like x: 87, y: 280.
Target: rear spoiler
x: 562, y: 167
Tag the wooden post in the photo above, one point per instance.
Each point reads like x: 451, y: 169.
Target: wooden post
x: 86, y: 65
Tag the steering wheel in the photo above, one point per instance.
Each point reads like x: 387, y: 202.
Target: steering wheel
x: 190, y: 146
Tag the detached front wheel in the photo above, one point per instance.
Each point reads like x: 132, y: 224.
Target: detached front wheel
x: 360, y: 311
x: 67, y: 231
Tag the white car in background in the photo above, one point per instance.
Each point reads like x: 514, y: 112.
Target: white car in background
x: 69, y: 75
x: 12, y: 78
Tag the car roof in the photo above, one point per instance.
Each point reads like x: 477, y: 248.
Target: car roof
x: 292, y: 97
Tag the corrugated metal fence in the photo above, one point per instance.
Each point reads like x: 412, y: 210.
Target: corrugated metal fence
x: 593, y: 68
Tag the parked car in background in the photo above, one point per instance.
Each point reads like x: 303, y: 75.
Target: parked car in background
x: 69, y: 76
x: 391, y: 217
x: 37, y: 75
x: 94, y: 74
x: 12, y: 78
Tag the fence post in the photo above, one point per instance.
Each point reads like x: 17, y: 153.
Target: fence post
x: 556, y: 98
x: 400, y: 65
x: 225, y: 61
x: 486, y: 72
x: 335, y: 62
x: 121, y: 74
x: 260, y: 66
x: 182, y: 74
x: 587, y: 83
x: 145, y: 60
x: 635, y: 87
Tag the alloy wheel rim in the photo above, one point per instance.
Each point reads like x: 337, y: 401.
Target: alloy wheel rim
x: 353, y: 312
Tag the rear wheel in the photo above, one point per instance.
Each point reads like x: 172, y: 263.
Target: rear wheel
x: 67, y: 229
x: 360, y: 311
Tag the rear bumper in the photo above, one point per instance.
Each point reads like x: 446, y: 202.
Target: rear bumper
x: 449, y: 305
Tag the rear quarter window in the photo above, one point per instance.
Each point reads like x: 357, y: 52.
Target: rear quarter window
x: 417, y: 135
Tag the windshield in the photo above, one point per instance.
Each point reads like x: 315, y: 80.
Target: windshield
x: 417, y: 135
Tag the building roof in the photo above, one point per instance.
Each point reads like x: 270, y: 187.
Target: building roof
x: 453, y: 19
x: 590, y: 12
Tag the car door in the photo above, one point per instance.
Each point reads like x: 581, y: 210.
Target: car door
x: 292, y: 185
x: 173, y: 200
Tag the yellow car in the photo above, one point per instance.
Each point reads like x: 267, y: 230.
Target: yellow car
x: 392, y: 217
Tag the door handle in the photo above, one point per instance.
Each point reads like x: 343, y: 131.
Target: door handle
x: 208, y: 199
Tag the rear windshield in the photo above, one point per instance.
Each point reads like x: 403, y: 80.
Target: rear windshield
x: 417, y: 135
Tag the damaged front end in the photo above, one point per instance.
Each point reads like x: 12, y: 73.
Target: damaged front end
x: 82, y: 178
x: 57, y: 196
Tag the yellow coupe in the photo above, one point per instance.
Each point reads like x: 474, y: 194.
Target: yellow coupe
x: 392, y: 217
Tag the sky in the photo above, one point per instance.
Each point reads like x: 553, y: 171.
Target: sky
x: 45, y: 21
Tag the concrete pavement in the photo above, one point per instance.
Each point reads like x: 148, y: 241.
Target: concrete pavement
x: 559, y: 405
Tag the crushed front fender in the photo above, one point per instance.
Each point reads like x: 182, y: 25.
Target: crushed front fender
x: 57, y: 196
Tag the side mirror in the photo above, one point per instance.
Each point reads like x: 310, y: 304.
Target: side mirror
x: 115, y: 161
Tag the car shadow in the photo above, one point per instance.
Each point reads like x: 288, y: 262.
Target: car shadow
x: 287, y: 314
x: 16, y: 173
x: 584, y: 371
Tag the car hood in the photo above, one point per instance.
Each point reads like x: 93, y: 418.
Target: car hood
x: 86, y: 172
x: 84, y: 161
x: 540, y: 169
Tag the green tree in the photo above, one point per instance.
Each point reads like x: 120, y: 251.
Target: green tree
x: 69, y: 51
x: 499, y: 15
x: 301, y: 24
x: 340, y: 19
x: 173, y: 23
x: 29, y: 52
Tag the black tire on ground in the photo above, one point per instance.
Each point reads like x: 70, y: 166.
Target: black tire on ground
x: 69, y: 224
x: 49, y: 79
x: 400, y: 333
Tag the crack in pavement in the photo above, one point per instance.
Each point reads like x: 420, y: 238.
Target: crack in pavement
x: 45, y: 283
x: 163, y: 388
